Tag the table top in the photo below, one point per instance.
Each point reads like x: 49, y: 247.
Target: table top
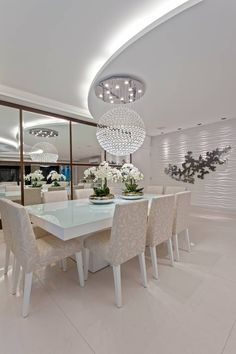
x: 11, y: 195
x: 74, y: 218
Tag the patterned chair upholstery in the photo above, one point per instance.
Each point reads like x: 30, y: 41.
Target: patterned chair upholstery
x: 125, y: 240
x: 173, y: 189
x: 83, y: 193
x: 181, y: 219
x: 155, y: 189
x: 31, y: 253
x: 160, y: 224
x: 55, y: 196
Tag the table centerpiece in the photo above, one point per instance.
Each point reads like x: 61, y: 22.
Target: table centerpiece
x: 100, y: 176
x: 35, y: 178
x: 130, y: 175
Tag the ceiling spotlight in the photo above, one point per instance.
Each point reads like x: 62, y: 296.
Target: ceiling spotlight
x: 131, y: 94
x: 108, y: 92
x: 131, y: 100
x: 122, y: 98
x: 126, y: 82
x: 140, y: 91
x: 117, y: 87
x: 112, y: 101
x: 101, y: 96
x: 110, y: 97
x: 130, y: 89
x: 106, y: 85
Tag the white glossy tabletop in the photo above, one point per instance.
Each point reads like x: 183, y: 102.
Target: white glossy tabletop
x: 73, y: 218
x: 11, y: 195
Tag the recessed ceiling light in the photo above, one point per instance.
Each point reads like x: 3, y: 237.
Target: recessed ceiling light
x: 199, y: 123
x: 131, y: 100
x: 140, y: 91
x: 110, y: 97
x: 117, y: 87
x: 122, y: 98
x: 223, y: 118
x: 106, y: 85
x: 126, y: 82
x: 131, y: 94
x: 100, y: 95
x: 112, y: 101
x: 130, y: 89
x: 108, y: 92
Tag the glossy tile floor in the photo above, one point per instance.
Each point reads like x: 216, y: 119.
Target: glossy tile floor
x: 191, y: 309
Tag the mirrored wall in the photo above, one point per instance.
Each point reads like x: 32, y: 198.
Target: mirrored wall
x: 34, y: 144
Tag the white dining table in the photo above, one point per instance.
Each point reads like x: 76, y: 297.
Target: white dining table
x: 76, y: 218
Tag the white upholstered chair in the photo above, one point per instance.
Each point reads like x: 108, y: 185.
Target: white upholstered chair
x: 160, y: 224
x: 83, y: 193
x: 55, y: 196
x: 181, y: 220
x: 173, y: 189
x: 125, y: 240
x: 155, y: 189
x: 32, y: 254
x: 32, y: 196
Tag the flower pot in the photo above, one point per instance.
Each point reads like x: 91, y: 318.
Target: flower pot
x: 102, y: 200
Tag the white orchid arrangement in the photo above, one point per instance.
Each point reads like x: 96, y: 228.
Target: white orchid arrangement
x: 130, y: 175
x: 102, y: 174
x: 56, y: 177
x: 35, y: 177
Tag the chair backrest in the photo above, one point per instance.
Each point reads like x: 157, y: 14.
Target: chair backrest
x: 5, y: 222
x: 32, y: 196
x: 23, y: 242
x: 155, y: 189
x: 160, y: 220
x: 128, y: 233
x: 55, y: 189
x: 182, y: 208
x: 55, y: 196
x: 12, y: 188
x: 173, y: 189
x: 83, y: 193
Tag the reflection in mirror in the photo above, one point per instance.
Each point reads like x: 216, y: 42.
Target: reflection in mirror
x: 46, y: 139
x: 10, y: 184
x: 117, y: 160
x: 9, y: 134
x: 85, y: 147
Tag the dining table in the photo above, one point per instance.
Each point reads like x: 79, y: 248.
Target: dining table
x: 77, y: 218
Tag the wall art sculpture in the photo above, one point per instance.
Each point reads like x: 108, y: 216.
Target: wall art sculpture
x: 192, y: 168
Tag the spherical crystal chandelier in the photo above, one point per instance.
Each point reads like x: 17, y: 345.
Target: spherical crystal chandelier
x: 44, y: 152
x: 121, y: 131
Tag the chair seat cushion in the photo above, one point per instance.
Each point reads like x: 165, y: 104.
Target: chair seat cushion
x: 52, y: 249
x: 99, y: 243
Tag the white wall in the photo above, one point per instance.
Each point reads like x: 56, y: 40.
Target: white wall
x: 141, y: 159
x: 218, y: 189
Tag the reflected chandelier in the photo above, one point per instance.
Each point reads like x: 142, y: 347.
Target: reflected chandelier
x: 121, y: 131
x: 44, y: 152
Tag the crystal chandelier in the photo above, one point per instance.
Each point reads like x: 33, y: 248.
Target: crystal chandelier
x: 43, y: 132
x: 44, y: 152
x: 119, y: 89
x: 121, y: 131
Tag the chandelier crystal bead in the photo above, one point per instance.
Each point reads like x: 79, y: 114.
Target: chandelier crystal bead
x: 121, y: 131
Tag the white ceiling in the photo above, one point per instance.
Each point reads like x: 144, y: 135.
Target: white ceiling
x: 188, y: 66
x: 52, y: 50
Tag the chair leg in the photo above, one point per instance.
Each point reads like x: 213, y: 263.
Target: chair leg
x: 176, y: 247
x: 27, y: 291
x: 79, y: 261
x: 64, y: 264
x: 187, y: 240
x: 117, y: 282
x: 86, y: 263
x: 142, y: 265
x: 170, y: 251
x: 7, y: 257
x: 153, y: 253
x: 16, y: 272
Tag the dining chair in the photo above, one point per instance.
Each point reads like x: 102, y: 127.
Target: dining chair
x: 155, y: 189
x: 55, y: 196
x: 125, y: 240
x: 181, y: 220
x: 173, y: 189
x: 159, y: 230
x: 32, y: 196
x: 83, y: 193
x: 32, y: 254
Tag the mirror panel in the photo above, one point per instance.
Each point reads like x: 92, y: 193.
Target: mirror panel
x: 9, y: 134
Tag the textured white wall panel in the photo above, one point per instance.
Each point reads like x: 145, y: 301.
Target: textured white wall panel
x: 218, y: 189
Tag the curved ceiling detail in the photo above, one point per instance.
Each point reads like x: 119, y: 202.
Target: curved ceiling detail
x: 53, y: 65
x: 187, y: 65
